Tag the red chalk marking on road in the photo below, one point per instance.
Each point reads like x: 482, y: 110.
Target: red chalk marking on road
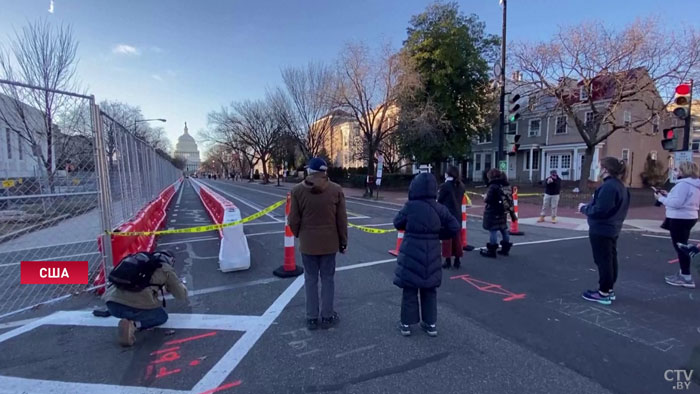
x: 167, y: 357
x: 673, y: 261
x: 194, y: 362
x: 170, y: 349
x: 222, y: 387
x: 149, y: 371
x: 490, y: 287
x: 162, y: 371
x: 183, y: 340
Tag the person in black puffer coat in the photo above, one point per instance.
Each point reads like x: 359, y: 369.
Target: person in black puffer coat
x: 495, y: 215
x: 419, y: 271
x: 450, y: 195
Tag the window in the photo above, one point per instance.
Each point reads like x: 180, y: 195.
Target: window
x: 565, y: 161
x: 561, y: 125
x: 19, y: 148
x: 485, y: 138
x: 589, y: 118
x: 655, y: 124
x: 553, y: 162
x: 477, y: 162
x: 627, y: 116
x: 535, y: 160
x: 626, y: 155
x: 9, y: 143
x: 534, y: 128
x: 583, y: 93
x: 653, y: 155
x: 513, y: 128
x: 487, y: 161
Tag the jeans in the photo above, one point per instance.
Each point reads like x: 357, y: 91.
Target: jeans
x: 680, y: 232
x: 147, y: 318
x: 605, y: 257
x: 550, y: 202
x: 313, y: 266
x: 493, y: 236
x: 410, y: 313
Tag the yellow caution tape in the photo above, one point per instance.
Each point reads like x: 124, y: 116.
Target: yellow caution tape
x: 519, y: 194
x: 371, y: 230
x: 469, y: 200
x: 202, y: 229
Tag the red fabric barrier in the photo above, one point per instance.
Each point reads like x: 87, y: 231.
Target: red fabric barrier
x: 149, y: 218
x: 215, y: 205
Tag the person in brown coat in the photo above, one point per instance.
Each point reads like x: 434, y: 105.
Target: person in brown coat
x: 318, y: 218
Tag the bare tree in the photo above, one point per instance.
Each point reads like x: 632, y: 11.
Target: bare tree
x: 42, y: 56
x: 249, y: 127
x: 128, y: 118
x: 594, y: 68
x: 305, y: 104
x: 368, y: 89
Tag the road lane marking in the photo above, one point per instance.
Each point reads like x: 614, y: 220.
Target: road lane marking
x: 179, y: 197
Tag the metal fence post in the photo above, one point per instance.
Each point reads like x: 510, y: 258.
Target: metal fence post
x: 105, y: 201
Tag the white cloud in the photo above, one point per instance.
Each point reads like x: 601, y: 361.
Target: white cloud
x: 157, y: 77
x: 171, y: 73
x: 124, y: 49
x: 157, y: 49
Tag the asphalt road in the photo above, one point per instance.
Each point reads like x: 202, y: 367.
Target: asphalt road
x: 510, y: 325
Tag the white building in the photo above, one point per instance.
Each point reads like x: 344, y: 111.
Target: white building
x: 186, y: 148
x: 16, y: 157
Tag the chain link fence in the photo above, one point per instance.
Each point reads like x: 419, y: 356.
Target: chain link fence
x: 67, y: 173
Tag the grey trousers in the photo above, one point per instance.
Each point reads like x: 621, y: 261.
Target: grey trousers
x: 313, y: 266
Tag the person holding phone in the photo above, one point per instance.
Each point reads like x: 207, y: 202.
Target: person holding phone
x: 682, y: 205
x: 606, y: 214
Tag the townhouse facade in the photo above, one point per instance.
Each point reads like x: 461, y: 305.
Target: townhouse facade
x: 549, y: 140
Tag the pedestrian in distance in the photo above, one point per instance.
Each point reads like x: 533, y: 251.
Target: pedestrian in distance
x: 450, y: 195
x: 495, y: 220
x: 419, y: 269
x: 606, y: 214
x: 552, y: 189
x: 318, y: 218
x: 682, y: 205
x: 133, y: 289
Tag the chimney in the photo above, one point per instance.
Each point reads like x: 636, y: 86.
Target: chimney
x: 517, y: 76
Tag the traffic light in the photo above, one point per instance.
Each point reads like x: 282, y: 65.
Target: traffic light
x: 514, y: 108
x: 513, y: 143
x: 682, y: 101
x: 670, y: 140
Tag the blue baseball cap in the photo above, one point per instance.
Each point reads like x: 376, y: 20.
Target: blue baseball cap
x: 317, y: 164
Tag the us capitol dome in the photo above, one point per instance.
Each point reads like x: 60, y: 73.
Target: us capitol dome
x: 186, y: 148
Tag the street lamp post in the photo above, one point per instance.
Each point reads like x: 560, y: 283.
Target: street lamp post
x: 133, y: 126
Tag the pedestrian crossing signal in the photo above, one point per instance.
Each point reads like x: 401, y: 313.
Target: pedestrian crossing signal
x: 670, y: 140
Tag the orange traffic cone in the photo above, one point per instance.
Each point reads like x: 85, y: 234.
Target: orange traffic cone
x: 465, y: 244
x: 289, y: 267
x: 399, y: 239
x: 514, y: 230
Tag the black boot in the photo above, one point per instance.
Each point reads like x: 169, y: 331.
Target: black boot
x: 447, y: 263
x: 490, y: 250
x: 457, y: 262
x: 505, y: 248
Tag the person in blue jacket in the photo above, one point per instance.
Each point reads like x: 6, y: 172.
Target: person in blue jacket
x: 419, y: 270
x: 606, y: 213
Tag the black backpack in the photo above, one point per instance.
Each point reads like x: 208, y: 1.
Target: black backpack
x: 134, y: 272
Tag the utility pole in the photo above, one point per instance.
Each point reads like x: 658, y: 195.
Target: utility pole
x: 688, y: 121
x: 502, y: 115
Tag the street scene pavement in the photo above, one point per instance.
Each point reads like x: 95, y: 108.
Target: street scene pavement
x: 510, y: 325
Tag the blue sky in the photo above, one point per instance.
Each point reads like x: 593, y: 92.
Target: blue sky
x: 181, y: 59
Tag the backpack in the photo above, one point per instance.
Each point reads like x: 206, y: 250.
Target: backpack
x: 133, y: 273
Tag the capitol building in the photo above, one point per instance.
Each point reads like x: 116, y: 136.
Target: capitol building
x: 186, y: 148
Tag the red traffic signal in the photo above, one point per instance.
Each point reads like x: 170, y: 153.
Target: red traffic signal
x: 668, y: 133
x: 683, y: 89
